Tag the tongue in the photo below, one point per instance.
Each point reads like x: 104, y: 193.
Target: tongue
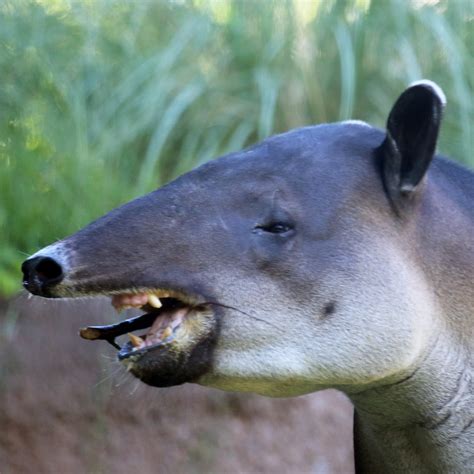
x: 164, y: 326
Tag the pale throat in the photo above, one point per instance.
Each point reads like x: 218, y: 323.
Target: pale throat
x: 429, y: 411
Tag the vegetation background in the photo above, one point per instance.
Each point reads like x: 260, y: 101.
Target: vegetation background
x: 104, y: 100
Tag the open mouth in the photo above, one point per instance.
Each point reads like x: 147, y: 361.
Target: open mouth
x: 172, y: 320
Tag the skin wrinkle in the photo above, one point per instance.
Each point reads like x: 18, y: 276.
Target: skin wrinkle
x: 463, y: 430
x: 452, y: 405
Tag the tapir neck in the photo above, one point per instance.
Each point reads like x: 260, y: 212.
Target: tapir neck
x: 421, y: 423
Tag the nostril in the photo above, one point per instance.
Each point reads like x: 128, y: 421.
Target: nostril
x: 41, y: 270
x: 48, y: 270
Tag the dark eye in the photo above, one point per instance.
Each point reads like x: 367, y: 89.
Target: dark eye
x: 274, y: 228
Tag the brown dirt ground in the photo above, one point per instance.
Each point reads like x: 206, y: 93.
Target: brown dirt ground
x: 66, y: 406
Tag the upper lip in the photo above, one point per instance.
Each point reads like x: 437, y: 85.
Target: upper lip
x: 151, y: 297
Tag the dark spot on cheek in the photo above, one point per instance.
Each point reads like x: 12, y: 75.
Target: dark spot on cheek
x: 329, y: 308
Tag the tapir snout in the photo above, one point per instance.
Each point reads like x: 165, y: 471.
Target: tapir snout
x: 307, y: 261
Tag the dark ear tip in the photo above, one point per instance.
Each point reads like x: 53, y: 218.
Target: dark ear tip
x: 432, y: 87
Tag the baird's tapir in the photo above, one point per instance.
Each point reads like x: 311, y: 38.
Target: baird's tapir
x: 338, y: 255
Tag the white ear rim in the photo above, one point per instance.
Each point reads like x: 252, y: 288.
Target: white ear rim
x: 433, y: 86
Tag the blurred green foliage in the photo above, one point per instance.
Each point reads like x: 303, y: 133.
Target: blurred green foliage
x: 101, y: 101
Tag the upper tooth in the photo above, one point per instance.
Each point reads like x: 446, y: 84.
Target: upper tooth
x: 154, y: 301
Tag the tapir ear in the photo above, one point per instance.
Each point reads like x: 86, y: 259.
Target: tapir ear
x: 410, y: 143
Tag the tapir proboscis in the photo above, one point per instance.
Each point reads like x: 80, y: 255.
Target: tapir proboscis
x: 338, y: 255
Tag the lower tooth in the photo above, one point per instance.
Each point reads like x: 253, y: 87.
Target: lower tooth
x: 136, y: 341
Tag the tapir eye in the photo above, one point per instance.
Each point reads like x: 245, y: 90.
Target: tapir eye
x: 274, y: 228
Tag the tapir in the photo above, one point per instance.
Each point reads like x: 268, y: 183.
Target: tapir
x: 331, y: 256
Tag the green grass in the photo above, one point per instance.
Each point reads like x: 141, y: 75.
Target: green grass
x: 101, y: 101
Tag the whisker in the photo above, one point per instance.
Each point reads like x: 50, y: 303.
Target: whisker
x: 135, y: 387
x: 110, y: 374
x: 244, y: 313
x: 109, y: 358
x: 122, y: 380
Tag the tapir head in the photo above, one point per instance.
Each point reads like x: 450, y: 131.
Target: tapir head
x: 281, y: 269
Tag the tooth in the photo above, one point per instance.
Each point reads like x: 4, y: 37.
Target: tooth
x: 166, y: 333
x: 136, y: 341
x: 154, y: 301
